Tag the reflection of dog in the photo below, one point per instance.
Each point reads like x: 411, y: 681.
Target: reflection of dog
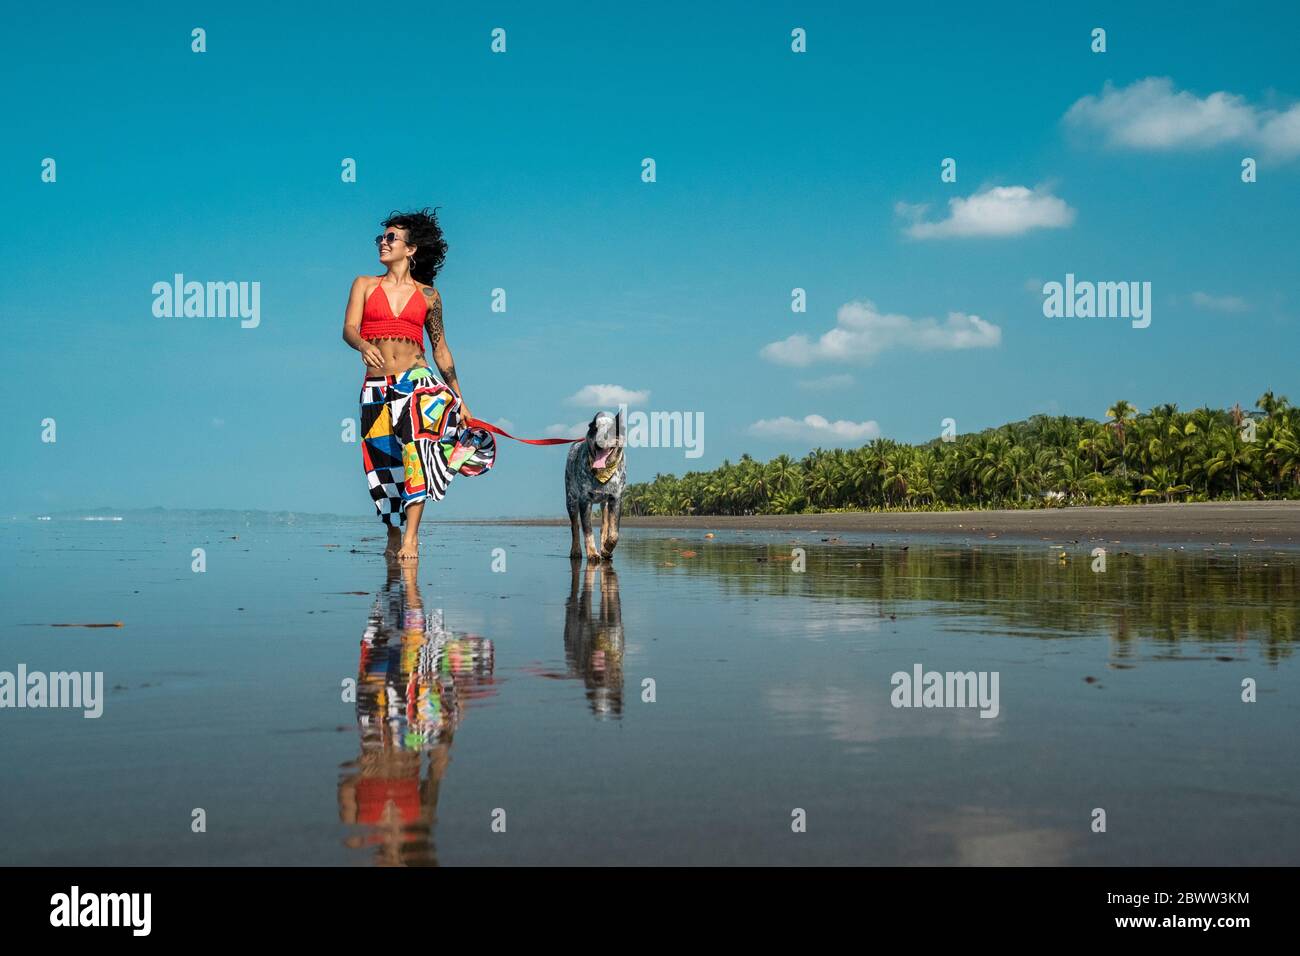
x: 595, y: 474
x: 593, y: 643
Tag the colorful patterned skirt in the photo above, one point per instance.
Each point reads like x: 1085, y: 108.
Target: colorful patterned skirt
x: 413, y: 441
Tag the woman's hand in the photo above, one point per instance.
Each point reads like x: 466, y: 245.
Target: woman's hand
x: 371, y: 355
x: 465, y: 414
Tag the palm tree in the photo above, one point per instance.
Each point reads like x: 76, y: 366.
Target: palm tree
x: 1231, y: 453
x: 1282, y: 454
x: 824, y: 478
x: 783, y: 474
x: 1120, y: 413
x: 1269, y: 403
x: 1163, y: 481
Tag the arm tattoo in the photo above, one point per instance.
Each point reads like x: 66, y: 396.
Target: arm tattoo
x: 433, y: 318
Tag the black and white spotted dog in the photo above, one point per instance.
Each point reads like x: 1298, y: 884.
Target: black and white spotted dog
x: 596, y: 473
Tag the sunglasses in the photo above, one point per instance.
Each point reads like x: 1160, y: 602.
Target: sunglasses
x: 388, y: 237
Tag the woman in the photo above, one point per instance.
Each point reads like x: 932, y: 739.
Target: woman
x: 413, y: 441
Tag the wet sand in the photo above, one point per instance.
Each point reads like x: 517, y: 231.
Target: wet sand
x: 774, y: 691
x: 1238, y: 523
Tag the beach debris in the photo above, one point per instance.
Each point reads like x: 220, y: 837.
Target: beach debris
x: 669, y: 564
x: 709, y: 535
x: 688, y: 554
x: 114, y: 624
x: 1090, y: 680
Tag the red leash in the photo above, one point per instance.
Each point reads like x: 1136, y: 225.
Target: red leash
x: 479, y: 423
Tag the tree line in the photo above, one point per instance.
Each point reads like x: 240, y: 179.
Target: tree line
x: 1163, y: 455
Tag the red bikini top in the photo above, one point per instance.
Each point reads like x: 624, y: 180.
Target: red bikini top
x: 378, y: 321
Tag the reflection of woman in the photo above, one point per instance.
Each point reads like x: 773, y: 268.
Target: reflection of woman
x: 413, y: 442
x: 413, y: 679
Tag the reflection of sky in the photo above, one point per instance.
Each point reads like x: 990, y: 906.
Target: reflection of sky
x: 864, y: 716
x: 983, y: 838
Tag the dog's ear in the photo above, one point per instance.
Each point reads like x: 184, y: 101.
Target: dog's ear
x: 591, y: 429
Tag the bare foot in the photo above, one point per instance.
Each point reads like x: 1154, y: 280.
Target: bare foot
x: 394, y: 542
x: 409, y: 551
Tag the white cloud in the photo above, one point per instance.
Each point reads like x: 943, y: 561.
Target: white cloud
x: 607, y: 396
x: 505, y: 423
x: 827, y: 382
x: 1151, y: 114
x: 565, y: 431
x: 861, y: 332
x: 814, y: 426
x: 1219, y: 303
x: 998, y: 211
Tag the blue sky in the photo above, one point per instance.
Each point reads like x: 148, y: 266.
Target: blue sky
x: 775, y: 171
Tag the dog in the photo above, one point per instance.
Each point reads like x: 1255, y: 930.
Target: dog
x: 596, y: 473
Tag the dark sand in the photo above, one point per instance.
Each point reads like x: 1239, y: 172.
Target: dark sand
x: 1241, y: 524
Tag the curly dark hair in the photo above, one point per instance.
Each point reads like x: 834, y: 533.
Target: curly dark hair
x: 422, y: 226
